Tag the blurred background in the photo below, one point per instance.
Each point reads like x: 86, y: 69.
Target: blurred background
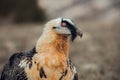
x: 96, y: 55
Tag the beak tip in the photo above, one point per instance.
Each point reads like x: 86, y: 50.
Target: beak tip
x: 80, y: 34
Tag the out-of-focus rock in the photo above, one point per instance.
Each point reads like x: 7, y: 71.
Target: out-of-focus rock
x: 97, y: 10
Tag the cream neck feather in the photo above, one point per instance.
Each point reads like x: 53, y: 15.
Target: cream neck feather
x: 51, y: 42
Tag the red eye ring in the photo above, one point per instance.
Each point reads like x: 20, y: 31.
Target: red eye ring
x: 63, y: 24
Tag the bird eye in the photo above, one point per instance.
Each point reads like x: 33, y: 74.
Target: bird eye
x: 63, y: 24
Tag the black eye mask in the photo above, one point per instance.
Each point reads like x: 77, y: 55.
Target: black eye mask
x: 72, y: 29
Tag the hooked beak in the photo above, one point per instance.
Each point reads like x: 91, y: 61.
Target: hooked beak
x: 79, y: 33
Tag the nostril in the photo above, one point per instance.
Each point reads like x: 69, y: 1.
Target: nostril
x: 54, y: 27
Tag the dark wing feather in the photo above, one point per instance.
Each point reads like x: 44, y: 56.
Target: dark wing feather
x: 73, y: 69
x: 11, y: 71
x: 75, y: 76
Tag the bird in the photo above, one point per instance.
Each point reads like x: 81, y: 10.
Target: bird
x: 49, y: 58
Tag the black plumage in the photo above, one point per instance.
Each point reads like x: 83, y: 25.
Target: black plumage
x: 12, y: 71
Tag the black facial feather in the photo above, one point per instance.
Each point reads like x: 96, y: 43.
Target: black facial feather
x: 72, y: 29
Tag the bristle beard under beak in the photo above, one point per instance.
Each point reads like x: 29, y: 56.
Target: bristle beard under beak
x: 75, y: 32
x: 73, y: 37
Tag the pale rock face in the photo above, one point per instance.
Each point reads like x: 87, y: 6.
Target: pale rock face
x: 81, y: 9
x: 53, y: 5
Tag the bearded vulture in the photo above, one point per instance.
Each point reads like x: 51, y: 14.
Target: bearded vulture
x: 49, y: 59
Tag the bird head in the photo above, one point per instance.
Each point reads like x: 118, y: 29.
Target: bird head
x: 63, y: 26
